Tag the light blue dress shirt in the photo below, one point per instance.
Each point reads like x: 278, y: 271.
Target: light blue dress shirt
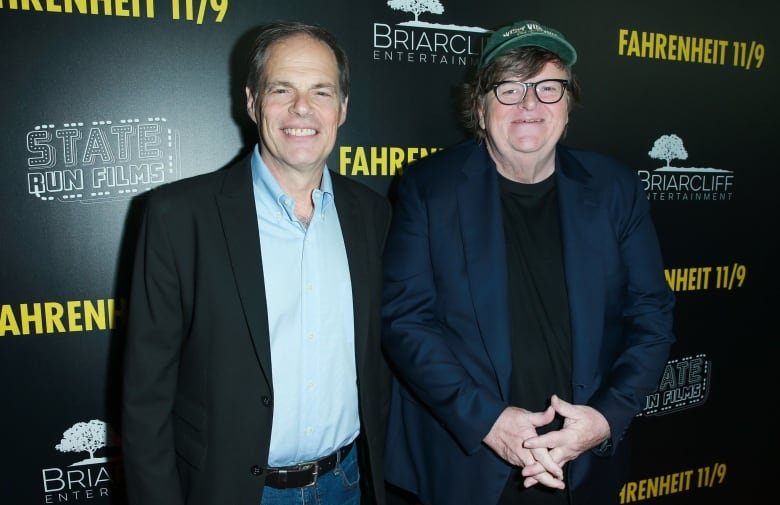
x: 310, y: 318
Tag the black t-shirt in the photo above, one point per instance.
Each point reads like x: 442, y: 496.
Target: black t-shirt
x: 539, y: 313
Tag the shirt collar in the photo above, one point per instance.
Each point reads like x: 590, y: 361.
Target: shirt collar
x: 263, y: 180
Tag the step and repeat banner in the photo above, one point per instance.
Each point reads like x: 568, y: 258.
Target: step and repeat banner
x: 103, y: 100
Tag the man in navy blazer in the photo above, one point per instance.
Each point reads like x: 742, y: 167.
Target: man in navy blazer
x: 526, y: 314
x: 253, y: 368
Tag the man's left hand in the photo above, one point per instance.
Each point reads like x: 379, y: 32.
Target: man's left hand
x: 583, y: 428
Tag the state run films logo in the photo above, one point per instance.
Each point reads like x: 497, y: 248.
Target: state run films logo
x: 419, y: 41
x: 89, y: 477
x: 675, y: 183
x: 685, y: 384
x: 100, y: 160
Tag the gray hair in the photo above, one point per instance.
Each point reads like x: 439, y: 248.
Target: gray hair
x: 274, y: 32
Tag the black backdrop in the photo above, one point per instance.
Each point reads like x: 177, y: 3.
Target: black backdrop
x: 102, y: 100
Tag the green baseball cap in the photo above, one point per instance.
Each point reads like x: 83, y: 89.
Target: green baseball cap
x: 524, y: 34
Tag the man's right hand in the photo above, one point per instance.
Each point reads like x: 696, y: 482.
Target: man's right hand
x: 506, y: 438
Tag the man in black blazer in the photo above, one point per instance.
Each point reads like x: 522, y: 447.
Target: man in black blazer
x: 253, y: 370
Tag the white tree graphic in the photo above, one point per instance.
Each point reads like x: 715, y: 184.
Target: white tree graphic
x: 417, y: 7
x: 668, y: 147
x: 84, y: 437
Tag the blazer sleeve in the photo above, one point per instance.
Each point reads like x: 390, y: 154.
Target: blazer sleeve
x: 421, y: 351
x: 646, y: 317
x: 154, y: 339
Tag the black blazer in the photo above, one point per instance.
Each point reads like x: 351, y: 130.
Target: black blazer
x: 198, y: 395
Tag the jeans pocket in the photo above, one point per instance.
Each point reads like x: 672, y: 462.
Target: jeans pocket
x: 348, y: 470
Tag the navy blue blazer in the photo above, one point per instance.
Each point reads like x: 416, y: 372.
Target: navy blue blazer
x: 446, y: 319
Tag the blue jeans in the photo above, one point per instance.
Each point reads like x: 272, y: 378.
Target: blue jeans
x: 337, y: 487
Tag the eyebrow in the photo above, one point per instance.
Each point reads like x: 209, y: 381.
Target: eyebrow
x: 288, y: 84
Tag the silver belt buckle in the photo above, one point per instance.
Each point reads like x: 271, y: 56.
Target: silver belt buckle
x: 315, y: 472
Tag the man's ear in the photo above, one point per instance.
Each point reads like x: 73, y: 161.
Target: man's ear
x: 344, y: 111
x: 250, y: 104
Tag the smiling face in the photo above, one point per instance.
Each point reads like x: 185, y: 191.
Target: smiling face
x: 530, y: 129
x: 298, y: 107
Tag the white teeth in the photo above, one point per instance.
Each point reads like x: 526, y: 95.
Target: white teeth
x: 299, y: 132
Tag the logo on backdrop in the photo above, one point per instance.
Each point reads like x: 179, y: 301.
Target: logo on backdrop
x: 676, y: 183
x: 424, y: 41
x: 684, y: 384
x: 90, y: 475
x: 100, y: 160
x: 379, y: 160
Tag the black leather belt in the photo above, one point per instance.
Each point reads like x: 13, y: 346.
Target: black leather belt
x: 305, y: 474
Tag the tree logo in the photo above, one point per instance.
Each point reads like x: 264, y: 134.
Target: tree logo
x: 672, y: 182
x: 87, y: 478
x: 86, y: 437
x: 417, y: 7
x: 668, y: 147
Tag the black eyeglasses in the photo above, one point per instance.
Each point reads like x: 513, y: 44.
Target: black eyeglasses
x: 513, y: 92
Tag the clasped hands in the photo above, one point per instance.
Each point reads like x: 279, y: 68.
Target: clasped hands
x: 542, y: 457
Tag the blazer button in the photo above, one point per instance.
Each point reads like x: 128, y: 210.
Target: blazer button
x: 267, y: 401
x: 256, y: 470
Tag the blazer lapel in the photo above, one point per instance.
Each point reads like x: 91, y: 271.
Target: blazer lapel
x: 353, y: 230
x: 578, y: 203
x: 239, y: 223
x: 479, y: 209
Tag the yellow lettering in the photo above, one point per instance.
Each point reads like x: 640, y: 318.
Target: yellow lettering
x: 81, y: 6
x: 688, y: 279
x: 633, y: 47
x: 648, y: 40
x: 697, y: 49
x: 672, y: 47
x: 631, y: 492
x: 74, y: 316
x: 692, y: 279
x: 723, y: 44
x: 688, y: 474
x: 94, y: 315
x: 94, y: 7
x: 663, y: 487
x: 706, y: 56
x: 640, y: 495
x: 344, y: 159
x: 8, y: 321
x: 672, y: 55
x: 622, y: 42
x: 684, y: 48
x: 660, y: 46
x: 69, y: 316
x: 53, y: 312
x: 35, y: 317
x: 397, y: 159
x: 378, y: 159
x: 121, y: 9
x: 360, y: 165
x: 679, y: 279
x: 412, y: 151
x: 675, y: 486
